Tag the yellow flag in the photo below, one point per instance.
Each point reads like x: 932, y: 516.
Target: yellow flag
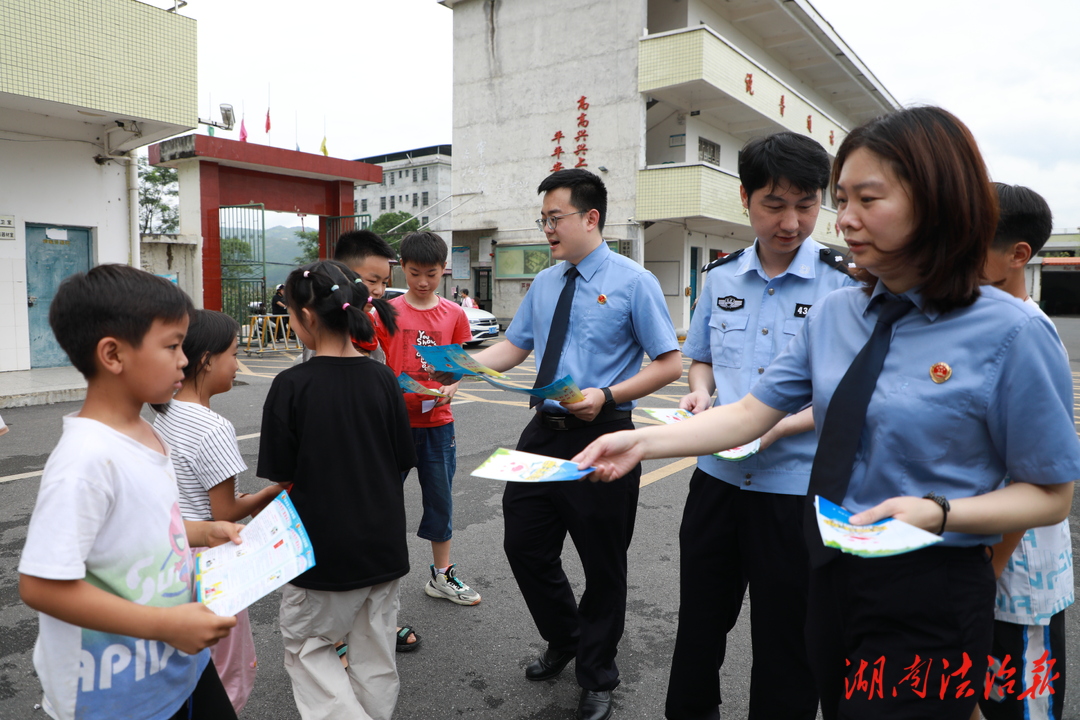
x: 322, y: 148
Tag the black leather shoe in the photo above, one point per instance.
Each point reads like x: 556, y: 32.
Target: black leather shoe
x: 594, y: 705
x: 548, y: 665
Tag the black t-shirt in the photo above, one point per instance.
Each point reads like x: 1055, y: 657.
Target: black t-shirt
x: 337, y: 429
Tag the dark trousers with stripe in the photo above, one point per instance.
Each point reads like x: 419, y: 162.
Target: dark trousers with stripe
x: 904, y: 636
x: 731, y: 538
x: 1037, y: 655
x: 600, y: 520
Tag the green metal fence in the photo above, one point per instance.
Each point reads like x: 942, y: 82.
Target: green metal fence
x: 243, y: 261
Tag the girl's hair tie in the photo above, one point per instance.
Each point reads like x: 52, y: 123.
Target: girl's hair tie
x: 344, y: 306
x: 370, y: 299
x: 307, y: 272
x: 358, y: 280
x: 333, y: 288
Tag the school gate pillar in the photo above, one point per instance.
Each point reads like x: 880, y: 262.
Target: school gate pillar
x: 216, y: 172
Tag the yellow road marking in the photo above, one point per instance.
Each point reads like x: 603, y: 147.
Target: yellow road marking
x: 669, y: 469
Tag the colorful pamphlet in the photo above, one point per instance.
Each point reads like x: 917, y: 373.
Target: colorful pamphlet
x: 408, y: 384
x: 275, y: 549
x: 454, y: 359
x: 885, y: 537
x: 674, y: 415
x: 516, y: 466
x: 562, y: 390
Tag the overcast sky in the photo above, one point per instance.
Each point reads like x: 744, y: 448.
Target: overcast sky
x: 379, y: 74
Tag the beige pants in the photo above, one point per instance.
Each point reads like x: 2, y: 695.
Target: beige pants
x: 312, y: 621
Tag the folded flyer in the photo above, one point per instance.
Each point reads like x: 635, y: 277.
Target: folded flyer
x: 276, y: 548
x: 409, y: 384
x: 454, y: 359
x: 885, y: 537
x: 516, y: 466
x: 674, y: 415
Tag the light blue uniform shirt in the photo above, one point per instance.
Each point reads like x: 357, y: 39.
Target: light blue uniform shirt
x: 742, y: 321
x: 605, y: 341
x: 1007, y: 408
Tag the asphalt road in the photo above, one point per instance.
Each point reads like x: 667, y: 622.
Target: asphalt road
x: 472, y: 658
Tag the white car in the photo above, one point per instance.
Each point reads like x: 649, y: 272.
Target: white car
x: 483, y: 324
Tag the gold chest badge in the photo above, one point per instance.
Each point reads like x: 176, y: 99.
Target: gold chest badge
x: 940, y: 372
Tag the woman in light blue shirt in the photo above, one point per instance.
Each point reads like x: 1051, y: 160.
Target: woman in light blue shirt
x: 975, y: 386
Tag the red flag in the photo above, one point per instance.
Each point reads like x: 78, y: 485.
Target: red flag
x: 243, y: 131
x: 267, y: 121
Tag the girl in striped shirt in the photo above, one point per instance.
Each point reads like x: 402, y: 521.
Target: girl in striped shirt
x: 207, y: 460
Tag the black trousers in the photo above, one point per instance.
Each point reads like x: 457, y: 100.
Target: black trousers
x: 600, y: 520
x: 1025, y: 645
x: 731, y: 538
x: 208, y: 701
x: 919, y: 625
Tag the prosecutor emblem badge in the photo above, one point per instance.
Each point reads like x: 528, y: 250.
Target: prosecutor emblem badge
x: 940, y: 372
x: 730, y: 303
x: 602, y: 299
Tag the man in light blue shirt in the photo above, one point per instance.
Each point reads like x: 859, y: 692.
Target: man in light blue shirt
x: 742, y: 521
x: 592, y: 317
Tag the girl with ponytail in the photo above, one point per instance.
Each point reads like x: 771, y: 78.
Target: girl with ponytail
x: 336, y: 429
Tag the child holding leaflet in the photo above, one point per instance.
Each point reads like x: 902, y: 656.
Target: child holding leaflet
x: 107, y: 562
x: 207, y: 461
x: 426, y: 319
x: 369, y: 256
x: 335, y: 427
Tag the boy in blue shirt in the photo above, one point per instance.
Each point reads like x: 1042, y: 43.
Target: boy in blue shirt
x: 107, y: 561
x: 742, y: 524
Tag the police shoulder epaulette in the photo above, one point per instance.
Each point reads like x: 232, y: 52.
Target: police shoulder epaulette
x: 721, y: 261
x: 834, y: 260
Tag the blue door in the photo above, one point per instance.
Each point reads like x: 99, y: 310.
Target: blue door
x: 695, y: 271
x: 52, y: 254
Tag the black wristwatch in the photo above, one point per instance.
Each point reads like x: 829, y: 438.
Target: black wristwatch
x: 945, y: 508
x: 609, y: 400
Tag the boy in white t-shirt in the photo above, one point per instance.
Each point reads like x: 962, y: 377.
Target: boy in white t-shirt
x: 1034, y: 567
x: 107, y: 562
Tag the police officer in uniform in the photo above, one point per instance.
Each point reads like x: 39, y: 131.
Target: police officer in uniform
x: 742, y: 521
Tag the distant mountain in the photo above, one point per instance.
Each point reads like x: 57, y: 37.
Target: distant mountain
x: 282, y: 248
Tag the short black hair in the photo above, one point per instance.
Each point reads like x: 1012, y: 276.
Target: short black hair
x: 111, y: 301
x: 785, y: 158
x: 587, y: 191
x: 210, y: 333
x: 336, y: 295
x: 356, y: 246
x: 423, y: 248
x: 1024, y: 217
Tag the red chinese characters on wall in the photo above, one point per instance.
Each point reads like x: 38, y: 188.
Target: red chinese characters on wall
x: 749, y: 81
x: 782, y: 106
x: 809, y: 123
x: 581, y: 148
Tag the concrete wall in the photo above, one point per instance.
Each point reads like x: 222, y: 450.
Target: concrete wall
x: 53, y: 182
x: 519, y: 71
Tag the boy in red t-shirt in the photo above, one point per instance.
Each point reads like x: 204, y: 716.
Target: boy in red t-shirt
x: 424, y: 318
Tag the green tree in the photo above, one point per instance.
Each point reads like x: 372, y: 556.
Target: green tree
x: 388, y: 221
x: 158, y: 192
x: 308, y: 244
